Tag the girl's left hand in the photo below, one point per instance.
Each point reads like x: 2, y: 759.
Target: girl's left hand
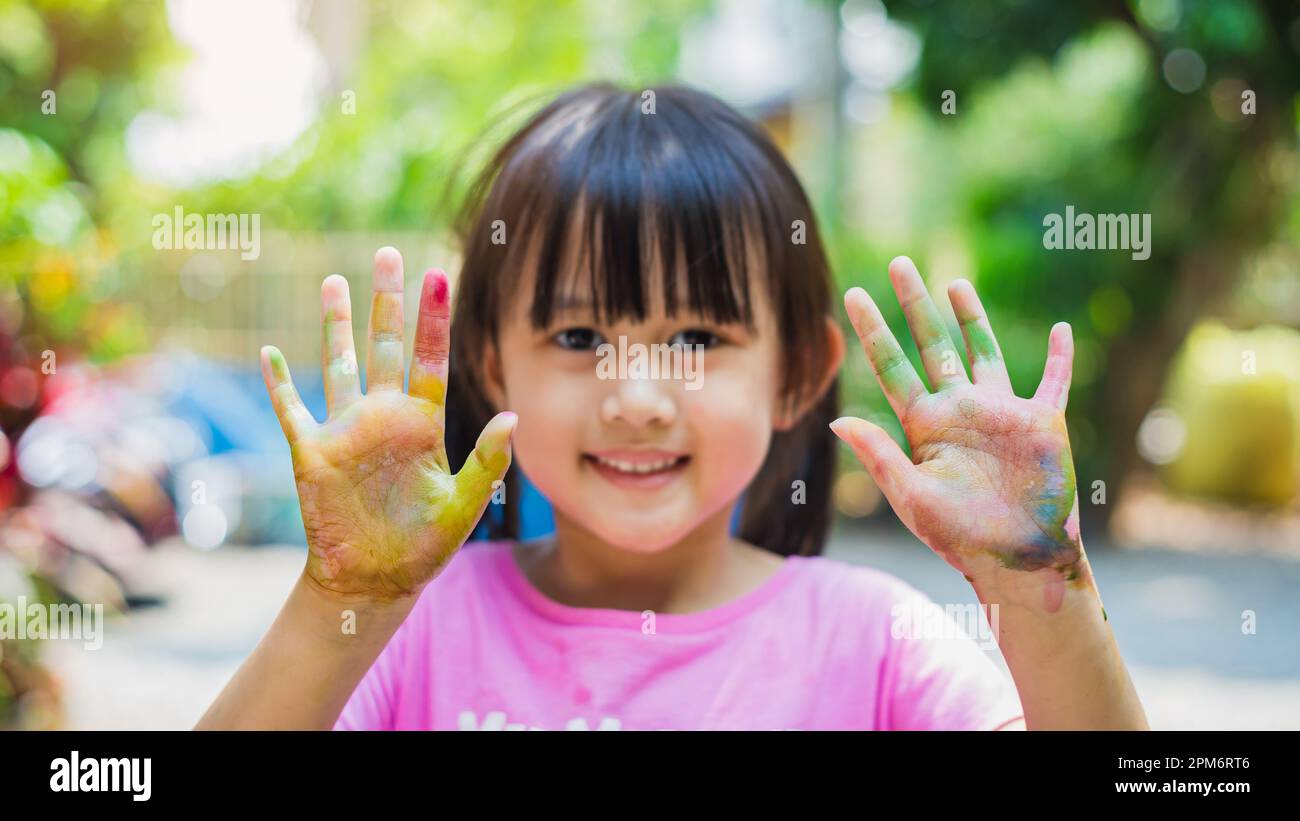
x: 990, y: 486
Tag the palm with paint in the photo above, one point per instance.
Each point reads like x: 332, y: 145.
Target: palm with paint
x: 382, y: 510
x: 990, y: 486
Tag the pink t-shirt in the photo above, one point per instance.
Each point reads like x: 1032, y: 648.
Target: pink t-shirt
x: 813, y: 648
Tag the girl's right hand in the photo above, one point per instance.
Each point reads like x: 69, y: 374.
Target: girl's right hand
x: 382, y: 510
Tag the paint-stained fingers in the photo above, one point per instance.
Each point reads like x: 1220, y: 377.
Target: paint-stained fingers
x: 487, y: 464
x: 892, y: 471
x: 1055, y: 387
x: 384, y: 351
x: 893, y: 370
x: 986, y: 363
x: 338, y: 354
x: 432, y: 340
x: 938, y: 354
x: 295, y: 419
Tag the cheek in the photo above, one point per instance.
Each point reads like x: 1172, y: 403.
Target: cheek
x: 737, y: 388
x: 552, y: 414
x: 731, y: 422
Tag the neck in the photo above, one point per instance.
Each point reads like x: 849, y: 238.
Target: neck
x: 705, y: 568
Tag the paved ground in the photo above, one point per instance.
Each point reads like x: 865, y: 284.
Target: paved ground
x: 1178, y: 618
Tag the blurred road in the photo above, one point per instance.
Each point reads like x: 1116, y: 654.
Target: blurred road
x: 1178, y: 618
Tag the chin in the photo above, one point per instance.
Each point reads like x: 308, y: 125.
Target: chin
x: 638, y: 536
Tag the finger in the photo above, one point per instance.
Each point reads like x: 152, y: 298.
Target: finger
x: 338, y: 354
x: 487, y: 464
x: 1055, y: 387
x: 892, y: 471
x: 938, y: 355
x: 986, y: 364
x: 384, y: 362
x: 432, y: 340
x: 295, y: 419
x: 893, y: 370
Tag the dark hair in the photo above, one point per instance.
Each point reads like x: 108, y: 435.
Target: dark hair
x: 693, y: 191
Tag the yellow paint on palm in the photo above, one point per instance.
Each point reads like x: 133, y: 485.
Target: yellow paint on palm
x: 428, y: 385
x: 456, y: 502
x: 385, y: 355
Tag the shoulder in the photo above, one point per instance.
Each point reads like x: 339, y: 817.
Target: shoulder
x: 473, y: 579
x: 890, y: 621
x: 478, y: 560
x: 931, y: 662
x: 477, y: 565
x: 845, y: 608
x: 858, y: 587
x: 885, y: 602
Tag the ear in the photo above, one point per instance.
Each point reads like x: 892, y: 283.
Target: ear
x: 792, y: 413
x: 494, y: 384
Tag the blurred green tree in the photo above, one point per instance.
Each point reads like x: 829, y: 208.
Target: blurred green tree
x: 1182, y: 110
x: 67, y: 91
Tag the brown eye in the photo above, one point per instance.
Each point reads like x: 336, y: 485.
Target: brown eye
x: 578, y: 339
x: 695, y: 336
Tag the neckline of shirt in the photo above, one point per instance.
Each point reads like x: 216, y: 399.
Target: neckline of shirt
x: 509, y: 572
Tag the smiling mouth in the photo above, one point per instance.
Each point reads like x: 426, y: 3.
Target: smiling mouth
x: 636, y: 468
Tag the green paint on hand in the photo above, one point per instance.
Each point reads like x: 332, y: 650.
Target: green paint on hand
x: 980, y: 339
x: 279, y: 368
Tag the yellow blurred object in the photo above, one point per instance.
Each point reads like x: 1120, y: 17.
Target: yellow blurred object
x: 1238, y: 393
x: 856, y: 494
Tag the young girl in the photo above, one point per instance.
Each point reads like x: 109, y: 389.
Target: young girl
x: 601, y: 223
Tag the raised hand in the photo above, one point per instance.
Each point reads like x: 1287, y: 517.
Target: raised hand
x: 382, y: 510
x: 990, y: 486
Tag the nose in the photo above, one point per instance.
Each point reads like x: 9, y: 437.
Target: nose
x: 639, y: 402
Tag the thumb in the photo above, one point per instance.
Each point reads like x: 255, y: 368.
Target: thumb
x: 1055, y: 387
x: 486, y: 464
x: 879, y: 454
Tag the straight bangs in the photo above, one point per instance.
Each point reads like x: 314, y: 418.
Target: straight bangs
x: 609, y: 206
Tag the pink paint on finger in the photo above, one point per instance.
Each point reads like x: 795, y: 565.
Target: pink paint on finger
x: 433, y: 296
x: 433, y: 330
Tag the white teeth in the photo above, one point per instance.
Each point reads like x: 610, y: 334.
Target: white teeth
x: 630, y: 467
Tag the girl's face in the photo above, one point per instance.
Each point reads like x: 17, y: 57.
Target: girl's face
x: 640, y: 461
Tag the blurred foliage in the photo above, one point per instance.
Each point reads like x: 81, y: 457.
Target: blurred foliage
x: 1057, y: 104
x: 428, y: 105
x: 1070, y: 104
x: 68, y: 89
x: 67, y: 92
